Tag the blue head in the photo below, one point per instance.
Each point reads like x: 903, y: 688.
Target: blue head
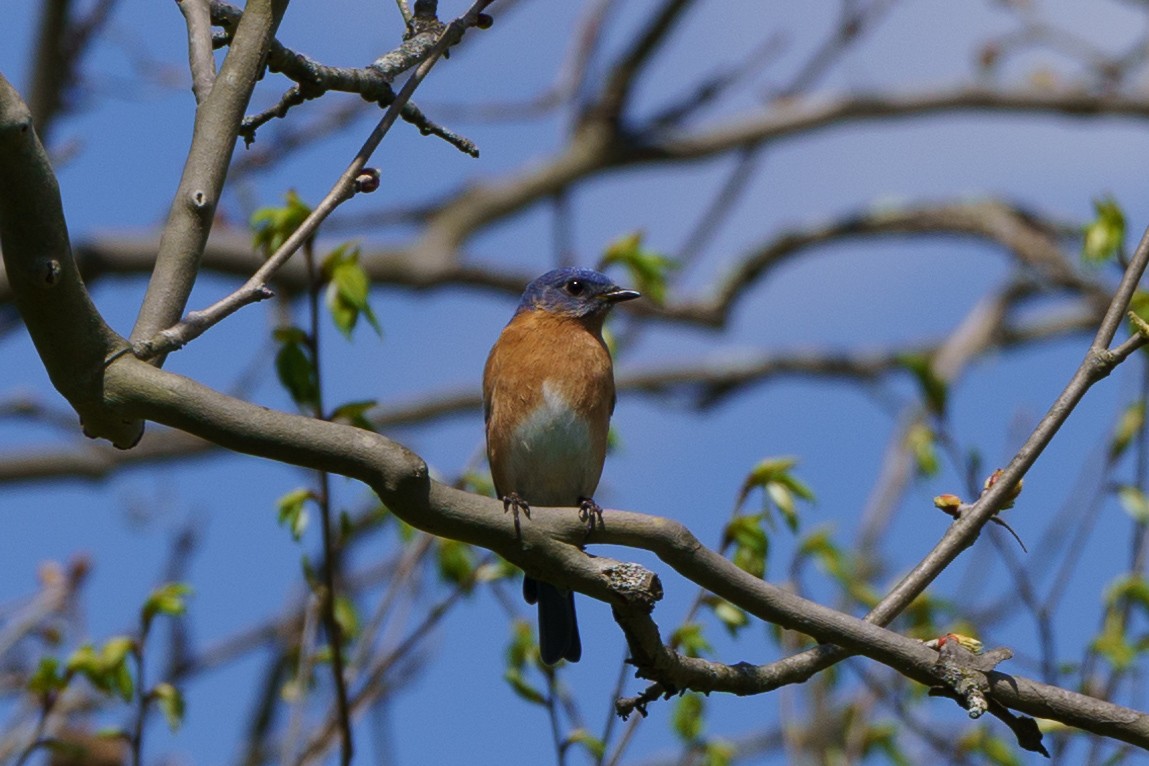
x: 573, y: 292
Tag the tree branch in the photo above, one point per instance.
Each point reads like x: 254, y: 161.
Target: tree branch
x: 192, y: 211
x: 256, y: 288
x: 71, y: 338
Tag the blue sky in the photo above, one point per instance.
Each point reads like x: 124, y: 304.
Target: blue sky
x: 126, y: 152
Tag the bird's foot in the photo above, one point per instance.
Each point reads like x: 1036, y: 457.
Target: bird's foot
x: 514, y: 503
x: 590, y: 512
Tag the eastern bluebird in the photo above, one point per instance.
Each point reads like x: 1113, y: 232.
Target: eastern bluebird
x: 548, y: 393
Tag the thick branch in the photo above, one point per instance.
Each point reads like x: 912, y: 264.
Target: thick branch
x: 703, y: 385
x: 549, y: 544
x: 70, y: 337
x: 599, y: 146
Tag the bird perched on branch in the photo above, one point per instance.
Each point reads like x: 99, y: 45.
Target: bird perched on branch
x: 548, y: 393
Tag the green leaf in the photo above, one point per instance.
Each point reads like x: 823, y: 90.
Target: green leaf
x: 829, y: 556
x: 1129, y: 587
x: 347, y: 617
x: 1104, y: 236
x: 83, y: 660
x: 718, y: 752
x: 293, y: 511
x: 648, y: 269
x: 347, y: 290
x: 456, y: 562
x: 47, y: 678
x: 522, y: 646
x: 689, y: 639
x: 1134, y: 502
x: 748, y: 536
x: 295, y: 367
x: 922, y: 444
x: 107, y: 669
x: 1112, y: 643
x: 271, y: 226
x: 169, y: 598
x: 732, y: 618
x: 355, y: 414
x: 116, y: 650
x: 521, y: 687
x: 1139, y: 305
x: 935, y: 391
x: 310, y: 573
x: 883, y: 738
x: 994, y: 750
x: 783, y: 500
x: 171, y: 704
x: 595, y: 746
x: 478, y: 482
x: 686, y: 720
x: 1130, y: 423
x: 780, y: 487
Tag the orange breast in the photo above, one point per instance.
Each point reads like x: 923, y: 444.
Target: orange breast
x: 548, y: 391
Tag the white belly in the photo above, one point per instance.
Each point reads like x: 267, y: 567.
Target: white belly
x: 551, y: 460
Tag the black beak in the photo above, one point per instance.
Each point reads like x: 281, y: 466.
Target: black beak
x: 618, y: 295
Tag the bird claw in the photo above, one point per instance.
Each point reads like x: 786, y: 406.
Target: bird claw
x: 514, y: 503
x: 590, y: 512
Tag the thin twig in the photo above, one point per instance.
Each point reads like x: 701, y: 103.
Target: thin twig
x: 256, y: 288
x: 331, y: 552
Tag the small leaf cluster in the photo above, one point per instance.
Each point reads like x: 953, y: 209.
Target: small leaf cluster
x: 272, y: 226
x: 1114, y: 642
x: 689, y: 724
x: 781, y: 490
x: 647, y: 268
x: 107, y: 667
x: 347, y: 290
x: 1103, y: 238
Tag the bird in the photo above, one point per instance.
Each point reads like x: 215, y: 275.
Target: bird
x: 548, y: 394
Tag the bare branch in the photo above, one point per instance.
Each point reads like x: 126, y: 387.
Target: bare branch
x: 71, y: 338
x: 256, y: 288
x: 197, y: 14
x: 213, y: 140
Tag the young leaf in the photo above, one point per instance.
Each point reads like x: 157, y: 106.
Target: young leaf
x: 647, y: 268
x: 347, y: 617
x: 354, y: 414
x: 686, y: 720
x: 292, y: 510
x: 522, y: 645
x: 780, y: 487
x: 935, y: 391
x: 1112, y: 643
x: 295, y: 367
x: 47, y: 679
x: 169, y: 599
x: 731, y: 617
x: 1104, y: 236
x: 690, y: 640
x: 456, y: 562
x: 271, y: 226
x: 171, y: 704
x: 523, y: 688
x: 347, y: 290
x: 1134, y: 502
x: 1130, y: 423
x: 718, y: 752
x: 750, y: 542
x: 595, y: 746
x: 922, y: 444
x: 107, y: 669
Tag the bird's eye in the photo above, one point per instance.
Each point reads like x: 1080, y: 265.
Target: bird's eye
x: 575, y: 287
